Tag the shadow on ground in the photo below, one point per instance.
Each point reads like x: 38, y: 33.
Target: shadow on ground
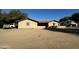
x: 70, y: 31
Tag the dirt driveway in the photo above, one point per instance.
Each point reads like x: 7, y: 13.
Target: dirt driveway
x: 35, y: 38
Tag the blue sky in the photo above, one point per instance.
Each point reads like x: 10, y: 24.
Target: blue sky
x: 47, y: 14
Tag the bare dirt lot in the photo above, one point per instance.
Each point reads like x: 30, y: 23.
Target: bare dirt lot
x: 34, y: 38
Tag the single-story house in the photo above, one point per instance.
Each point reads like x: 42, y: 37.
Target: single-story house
x: 29, y: 23
x: 71, y: 23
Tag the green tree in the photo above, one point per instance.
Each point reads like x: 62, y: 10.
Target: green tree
x: 5, y: 18
x: 75, y: 17
x: 1, y: 18
x: 15, y: 15
x: 11, y: 17
x: 63, y: 20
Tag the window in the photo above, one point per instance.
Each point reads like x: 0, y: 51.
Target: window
x: 73, y: 25
x: 27, y: 23
x: 53, y: 24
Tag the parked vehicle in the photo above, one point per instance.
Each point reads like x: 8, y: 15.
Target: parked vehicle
x: 9, y: 26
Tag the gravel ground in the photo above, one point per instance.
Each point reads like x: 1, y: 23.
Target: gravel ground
x: 37, y: 39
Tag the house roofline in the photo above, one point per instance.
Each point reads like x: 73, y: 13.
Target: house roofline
x: 38, y: 21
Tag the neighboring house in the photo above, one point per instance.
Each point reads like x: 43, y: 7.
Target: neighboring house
x: 53, y: 23
x: 29, y: 23
x: 78, y: 24
x: 70, y: 23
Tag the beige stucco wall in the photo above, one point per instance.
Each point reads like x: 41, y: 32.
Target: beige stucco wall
x: 33, y: 24
x: 61, y: 27
x: 51, y: 24
x: 41, y: 27
x: 23, y: 24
